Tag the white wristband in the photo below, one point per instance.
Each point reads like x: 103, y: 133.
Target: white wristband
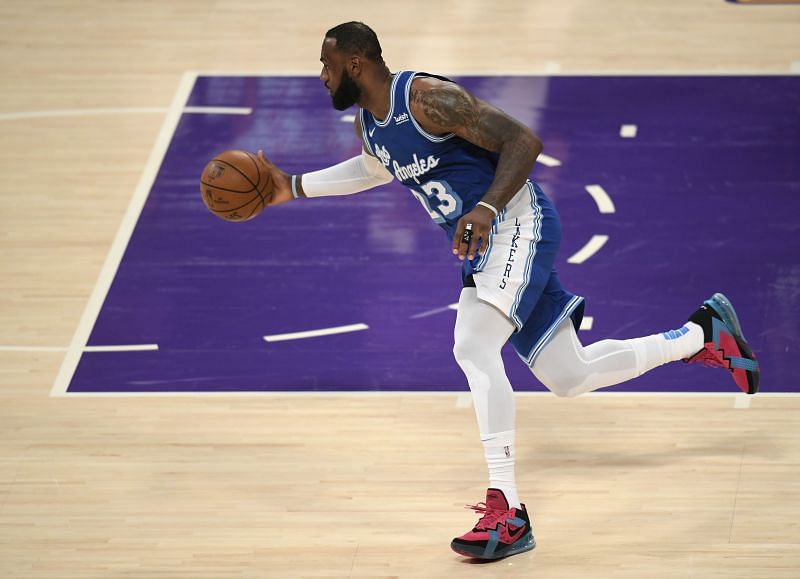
x: 492, y: 209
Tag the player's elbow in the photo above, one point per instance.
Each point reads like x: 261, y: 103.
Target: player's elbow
x: 533, y: 145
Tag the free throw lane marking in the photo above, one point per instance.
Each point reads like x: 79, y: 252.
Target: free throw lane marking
x: 348, y: 118
x: 628, y: 131
x: 601, y: 198
x: 592, y: 246
x: 316, y: 333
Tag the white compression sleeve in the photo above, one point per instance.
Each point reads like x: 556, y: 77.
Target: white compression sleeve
x: 351, y: 176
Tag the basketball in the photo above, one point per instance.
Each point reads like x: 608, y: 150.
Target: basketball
x: 235, y: 186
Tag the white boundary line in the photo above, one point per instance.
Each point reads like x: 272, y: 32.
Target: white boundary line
x: 114, y: 257
x: 387, y: 393
x: 537, y: 72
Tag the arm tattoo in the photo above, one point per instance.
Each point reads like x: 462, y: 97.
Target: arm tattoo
x: 454, y: 110
x: 450, y: 108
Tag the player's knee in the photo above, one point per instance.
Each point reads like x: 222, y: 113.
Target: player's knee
x: 475, y: 359
x: 468, y: 352
x: 563, y: 382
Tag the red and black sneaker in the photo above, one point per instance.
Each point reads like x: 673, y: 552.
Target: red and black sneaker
x: 725, y: 346
x: 500, y: 532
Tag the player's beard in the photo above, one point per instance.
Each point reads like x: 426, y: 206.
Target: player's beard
x: 347, y: 94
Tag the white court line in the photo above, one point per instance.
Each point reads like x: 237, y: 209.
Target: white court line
x: 514, y: 73
x: 552, y: 67
x: 219, y: 110
x: 312, y: 71
x: 348, y: 118
x: 115, y: 253
x: 124, y: 348
x: 586, y: 323
x: 387, y: 393
x: 316, y: 333
x: 80, y: 113
x: 741, y: 401
x: 33, y: 348
x: 592, y: 246
x: 628, y: 131
x: 548, y: 161
x: 601, y: 198
x: 120, y: 111
x: 427, y: 313
x: 464, y: 400
x: 795, y: 66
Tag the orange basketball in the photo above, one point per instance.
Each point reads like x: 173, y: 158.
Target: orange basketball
x: 235, y: 186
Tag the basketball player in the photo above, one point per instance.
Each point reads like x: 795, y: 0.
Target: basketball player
x: 468, y: 164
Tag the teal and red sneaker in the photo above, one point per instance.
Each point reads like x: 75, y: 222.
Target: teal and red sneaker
x: 725, y: 346
x: 501, y: 531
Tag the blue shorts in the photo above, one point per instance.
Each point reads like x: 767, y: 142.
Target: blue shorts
x: 516, y: 273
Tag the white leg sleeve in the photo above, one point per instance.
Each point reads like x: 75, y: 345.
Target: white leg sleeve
x: 480, y: 332
x: 568, y: 369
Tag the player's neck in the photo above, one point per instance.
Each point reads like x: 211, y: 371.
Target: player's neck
x: 377, y: 98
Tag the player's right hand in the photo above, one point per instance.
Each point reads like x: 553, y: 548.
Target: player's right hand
x: 281, y: 182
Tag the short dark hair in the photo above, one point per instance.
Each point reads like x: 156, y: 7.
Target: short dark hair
x: 357, y: 38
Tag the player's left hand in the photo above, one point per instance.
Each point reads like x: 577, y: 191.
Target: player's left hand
x: 468, y: 240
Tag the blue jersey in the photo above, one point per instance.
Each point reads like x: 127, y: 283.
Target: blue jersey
x: 447, y: 174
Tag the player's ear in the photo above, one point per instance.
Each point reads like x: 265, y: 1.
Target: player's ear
x: 354, y: 65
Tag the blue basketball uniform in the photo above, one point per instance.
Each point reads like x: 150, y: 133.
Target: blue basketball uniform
x: 449, y: 175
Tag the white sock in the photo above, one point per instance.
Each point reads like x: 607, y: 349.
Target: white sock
x: 658, y: 349
x: 499, y: 451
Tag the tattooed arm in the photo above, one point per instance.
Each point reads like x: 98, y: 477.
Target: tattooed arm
x: 444, y: 107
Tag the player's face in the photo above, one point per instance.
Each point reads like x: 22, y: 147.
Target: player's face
x: 341, y: 87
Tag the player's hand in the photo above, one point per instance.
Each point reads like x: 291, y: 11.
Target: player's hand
x: 281, y: 182
x: 472, y: 233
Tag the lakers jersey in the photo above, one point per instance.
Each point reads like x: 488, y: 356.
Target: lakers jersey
x: 447, y: 174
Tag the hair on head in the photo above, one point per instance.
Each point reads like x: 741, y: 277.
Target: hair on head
x: 357, y: 38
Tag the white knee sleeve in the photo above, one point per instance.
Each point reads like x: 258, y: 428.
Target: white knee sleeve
x: 480, y: 332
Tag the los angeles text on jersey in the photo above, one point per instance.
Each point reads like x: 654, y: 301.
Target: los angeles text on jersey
x: 413, y: 170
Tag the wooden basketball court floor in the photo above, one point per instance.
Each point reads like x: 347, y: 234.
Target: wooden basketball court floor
x: 370, y: 485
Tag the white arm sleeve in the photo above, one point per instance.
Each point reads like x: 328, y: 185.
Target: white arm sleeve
x: 351, y: 176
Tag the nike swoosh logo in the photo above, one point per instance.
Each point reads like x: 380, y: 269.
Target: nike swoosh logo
x: 372, y: 130
x: 517, y: 533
